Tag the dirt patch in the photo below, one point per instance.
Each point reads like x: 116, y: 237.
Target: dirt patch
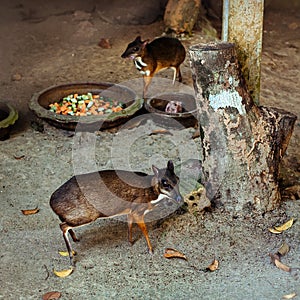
x: 48, y: 44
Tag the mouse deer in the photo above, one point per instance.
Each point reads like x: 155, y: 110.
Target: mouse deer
x: 110, y: 193
x: 150, y: 58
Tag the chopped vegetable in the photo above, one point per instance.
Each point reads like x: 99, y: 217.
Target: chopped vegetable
x: 86, y: 105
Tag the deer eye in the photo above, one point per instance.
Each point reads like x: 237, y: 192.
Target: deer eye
x: 135, y: 49
x: 165, y: 183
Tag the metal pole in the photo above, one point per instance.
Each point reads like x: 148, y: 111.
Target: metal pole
x: 225, y: 19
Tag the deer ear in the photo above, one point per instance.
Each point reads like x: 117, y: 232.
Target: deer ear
x: 138, y: 39
x: 145, y: 43
x: 170, y: 166
x: 155, y: 170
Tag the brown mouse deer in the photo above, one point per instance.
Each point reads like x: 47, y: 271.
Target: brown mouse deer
x: 110, y: 193
x: 150, y: 58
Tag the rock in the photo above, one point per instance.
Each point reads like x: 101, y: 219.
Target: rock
x: 16, y: 77
x: 104, y: 43
x: 293, y: 26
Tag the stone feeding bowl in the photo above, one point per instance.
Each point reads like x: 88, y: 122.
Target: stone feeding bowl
x: 39, y: 104
x: 157, y: 106
x: 8, y: 117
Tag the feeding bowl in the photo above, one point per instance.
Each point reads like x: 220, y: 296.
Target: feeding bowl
x: 157, y: 106
x: 39, y: 104
x: 8, y: 117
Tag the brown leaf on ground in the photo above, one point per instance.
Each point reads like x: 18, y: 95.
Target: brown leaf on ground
x: 173, y: 253
x: 51, y: 296
x: 66, y: 253
x: 104, y: 43
x: 289, y: 296
x: 64, y: 273
x: 275, y: 259
x: 285, y: 226
x: 284, y: 249
x: 282, y: 266
x: 18, y: 157
x: 272, y: 230
x: 213, y: 266
x: 30, y: 211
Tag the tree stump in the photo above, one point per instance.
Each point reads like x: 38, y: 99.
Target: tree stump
x: 181, y: 15
x: 243, y: 144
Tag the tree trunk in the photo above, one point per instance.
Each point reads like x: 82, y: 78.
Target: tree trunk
x: 242, y: 143
x: 181, y: 15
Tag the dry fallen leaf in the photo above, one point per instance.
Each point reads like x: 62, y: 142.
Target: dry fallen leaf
x: 66, y: 253
x: 30, y: 211
x: 19, y: 157
x: 274, y: 230
x: 51, y: 296
x: 284, y: 249
x: 104, y: 43
x: 213, y: 266
x: 273, y: 257
x: 285, y: 226
x: 173, y: 253
x: 281, y: 266
x: 64, y: 273
x: 289, y: 296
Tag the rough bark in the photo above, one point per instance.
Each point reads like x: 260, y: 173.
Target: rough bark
x: 245, y: 29
x: 181, y: 15
x: 242, y: 143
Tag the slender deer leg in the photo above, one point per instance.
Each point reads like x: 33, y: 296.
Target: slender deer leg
x: 73, y: 235
x: 179, y: 74
x: 130, y: 220
x: 147, y: 80
x: 141, y: 223
x: 174, y: 74
x: 65, y: 229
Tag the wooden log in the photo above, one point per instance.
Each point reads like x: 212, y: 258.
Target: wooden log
x: 242, y: 143
x: 181, y: 15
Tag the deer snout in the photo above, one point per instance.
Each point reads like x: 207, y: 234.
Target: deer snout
x: 176, y: 195
x: 179, y: 198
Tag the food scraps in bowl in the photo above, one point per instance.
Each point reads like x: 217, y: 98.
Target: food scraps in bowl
x: 86, y: 105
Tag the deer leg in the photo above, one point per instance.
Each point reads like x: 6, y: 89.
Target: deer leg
x: 65, y: 229
x: 141, y: 223
x: 174, y: 74
x: 147, y: 81
x: 179, y: 74
x: 73, y: 235
x: 130, y: 220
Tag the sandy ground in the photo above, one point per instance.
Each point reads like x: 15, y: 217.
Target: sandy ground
x: 46, y: 44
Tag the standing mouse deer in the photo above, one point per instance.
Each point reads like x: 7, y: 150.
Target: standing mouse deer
x: 110, y: 193
x: 150, y: 58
